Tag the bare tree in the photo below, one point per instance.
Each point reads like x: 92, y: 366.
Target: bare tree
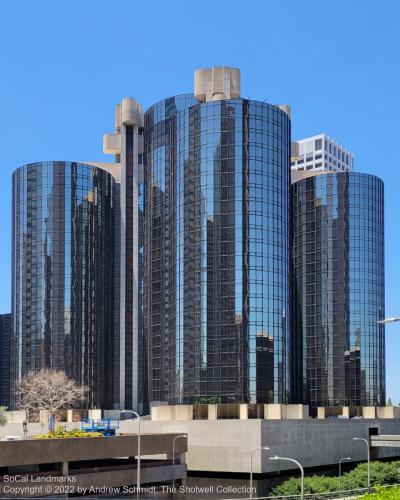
x: 49, y: 390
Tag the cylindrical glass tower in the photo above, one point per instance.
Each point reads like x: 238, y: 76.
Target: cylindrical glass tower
x: 338, y: 270
x: 62, y: 274
x: 217, y: 185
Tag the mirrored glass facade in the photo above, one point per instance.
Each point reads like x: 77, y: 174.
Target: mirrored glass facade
x: 62, y: 274
x: 217, y: 185
x: 338, y: 286
x: 5, y: 337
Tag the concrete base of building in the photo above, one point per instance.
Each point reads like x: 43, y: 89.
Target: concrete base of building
x: 225, y: 445
x: 229, y: 411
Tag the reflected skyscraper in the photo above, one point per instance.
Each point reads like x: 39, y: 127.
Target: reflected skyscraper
x: 217, y: 211
x: 62, y: 274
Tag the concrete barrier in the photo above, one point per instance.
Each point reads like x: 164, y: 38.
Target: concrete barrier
x: 388, y: 412
x: 16, y: 417
x: 368, y: 412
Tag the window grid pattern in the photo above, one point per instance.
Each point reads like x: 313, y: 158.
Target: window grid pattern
x: 217, y: 251
x: 62, y: 274
x: 338, y: 267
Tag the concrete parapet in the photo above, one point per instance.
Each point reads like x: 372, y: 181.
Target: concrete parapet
x: 290, y: 412
x: 243, y: 412
x: 388, y: 412
x: 212, y: 412
x: 162, y: 413
x: 273, y: 411
x: 16, y: 417
x: 95, y: 414
x: 295, y: 411
x: 368, y: 412
x: 183, y: 412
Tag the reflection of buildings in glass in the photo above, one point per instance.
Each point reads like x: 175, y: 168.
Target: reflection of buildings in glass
x: 265, y: 367
x: 352, y: 359
x: 338, y: 277
x: 5, y: 337
x: 217, y: 248
x: 62, y: 273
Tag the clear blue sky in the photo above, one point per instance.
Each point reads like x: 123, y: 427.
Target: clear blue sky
x: 65, y: 64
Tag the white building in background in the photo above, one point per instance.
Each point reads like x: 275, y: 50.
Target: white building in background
x: 321, y: 153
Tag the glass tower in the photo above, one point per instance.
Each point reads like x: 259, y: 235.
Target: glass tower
x: 62, y: 274
x: 217, y: 186
x: 338, y: 288
x: 5, y: 335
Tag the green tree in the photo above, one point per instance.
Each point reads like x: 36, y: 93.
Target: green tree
x: 389, y: 402
x: 3, y: 415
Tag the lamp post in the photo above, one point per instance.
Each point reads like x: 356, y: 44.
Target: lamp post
x: 173, y: 457
x: 340, y: 468
x: 251, y: 468
x: 392, y: 319
x: 299, y: 466
x: 138, y: 457
x: 369, y: 461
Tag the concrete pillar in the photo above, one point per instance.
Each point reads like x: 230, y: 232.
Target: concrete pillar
x: 346, y: 411
x: 243, y: 412
x: 212, y: 412
x: 273, y: 411
x: 64, y: 468
x: 369, y: 412
x: 95, y: 414
x: 321, y: 412
x: 183, y: 412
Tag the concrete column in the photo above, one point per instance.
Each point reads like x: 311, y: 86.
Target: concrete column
x: 273, y: 411
x: 64, y: 468
x: 243, y: 412
x: 369, y: 412
x: 346, y: 411
x: 95, y: 414
x: 212, y: 412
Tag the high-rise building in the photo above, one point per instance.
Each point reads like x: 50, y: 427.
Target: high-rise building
x: 319, y: 153
x: 5, y: 337
x: 338, y: 290
x: 217, y: 211
x: 62, y: 274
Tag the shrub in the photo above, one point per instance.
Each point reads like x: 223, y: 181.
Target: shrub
x: 62, y: 434
x: 381, y: 473
x: 3, y: 415
x: 384, y: 494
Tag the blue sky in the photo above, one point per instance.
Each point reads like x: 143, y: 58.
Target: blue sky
x: 65, y: 64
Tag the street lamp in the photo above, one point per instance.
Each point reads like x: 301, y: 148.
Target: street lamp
x: 251, y: 468
x: 173, y: 457
x: 392, y: 319
x: 340, y: 468
x: 369, y: 461
x: 138, y: 456
x: 299, y: 466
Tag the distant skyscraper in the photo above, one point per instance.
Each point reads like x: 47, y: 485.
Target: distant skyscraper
x: 5, y: 337
x: 62, y: 274
x: 217, y: 180
x: 319, y: 153
x: 338, y: 290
